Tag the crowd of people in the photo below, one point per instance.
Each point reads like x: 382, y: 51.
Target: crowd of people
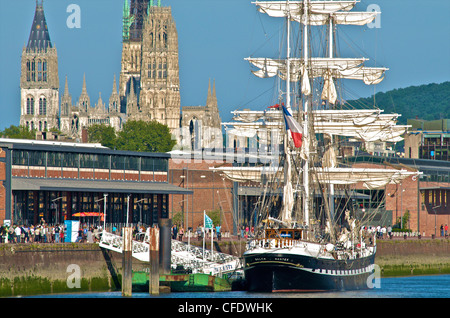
x: 45, y: 233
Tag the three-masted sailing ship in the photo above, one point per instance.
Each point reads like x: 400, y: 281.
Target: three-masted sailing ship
x: 299, y: 248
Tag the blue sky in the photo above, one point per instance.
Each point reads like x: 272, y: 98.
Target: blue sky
x: 214, y: 38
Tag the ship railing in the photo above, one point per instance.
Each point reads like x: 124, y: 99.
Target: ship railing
x: 191, y: 257
x: 274, y: 243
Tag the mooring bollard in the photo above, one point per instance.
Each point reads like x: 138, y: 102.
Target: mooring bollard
x: 127, y: 260
x: 154, y: 261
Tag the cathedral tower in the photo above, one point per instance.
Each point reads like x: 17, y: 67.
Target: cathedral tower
x: 150, y: 64
x: 39, y: 82
x: 133, y: 20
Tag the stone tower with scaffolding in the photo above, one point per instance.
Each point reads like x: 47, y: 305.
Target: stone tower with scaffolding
x: 149, y: 78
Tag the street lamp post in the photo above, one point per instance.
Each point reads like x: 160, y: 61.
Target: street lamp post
x: 104, y: 209
x: 128, y: 207
x: 56, y: 206
x: 140, y: 208
x: 434, y: 208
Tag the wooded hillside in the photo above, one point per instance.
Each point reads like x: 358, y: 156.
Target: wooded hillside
x: 429, y: 102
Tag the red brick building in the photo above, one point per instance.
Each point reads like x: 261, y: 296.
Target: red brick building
x: 425, y: 199
x: 210, y: 192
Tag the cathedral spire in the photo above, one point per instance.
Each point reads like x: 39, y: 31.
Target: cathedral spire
x: 211, y: 100
x: 114, y: 100
x: 66, y: 100
x: 84, y: 90
x: 39, y: 36
x: 66, y: 88
x: 114, y: 85
x: 84, y: 101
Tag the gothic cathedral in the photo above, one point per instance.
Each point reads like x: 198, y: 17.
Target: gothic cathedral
x: 148, y: 87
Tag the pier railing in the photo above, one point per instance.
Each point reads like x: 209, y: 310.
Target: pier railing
x: 190, y: 257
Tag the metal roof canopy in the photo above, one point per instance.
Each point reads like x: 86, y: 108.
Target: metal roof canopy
x: 76, y: 185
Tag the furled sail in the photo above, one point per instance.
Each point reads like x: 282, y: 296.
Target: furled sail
x: 280, y: 9
x: 272, y: 67
x: 347, y: 18
x: 246, y: 174
x: 371, y: 178
x: 369, y: 75
x: 329, y: 90
x: 347, y: 68
x: 356, y: 116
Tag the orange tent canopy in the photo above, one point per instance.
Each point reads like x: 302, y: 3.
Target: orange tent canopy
x: 80, y: 214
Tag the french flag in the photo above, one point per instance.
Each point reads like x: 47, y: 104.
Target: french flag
x: 294, y: 127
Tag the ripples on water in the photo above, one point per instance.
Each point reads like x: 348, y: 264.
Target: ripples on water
x: 437, y: 286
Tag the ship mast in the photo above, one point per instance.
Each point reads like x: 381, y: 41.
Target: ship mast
x: 306, y: 121
x: 287, y: 188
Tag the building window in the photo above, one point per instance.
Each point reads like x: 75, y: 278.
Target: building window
x: 165, y: 38
x: 28, y: 70
x: 160, y: 70
x: 20, y: 157
x: 44, y: 70
x: 30, y: 106
x: 39, y: 77
x: 150, y: 70
x: 33, y: 71
x: 42, y: 106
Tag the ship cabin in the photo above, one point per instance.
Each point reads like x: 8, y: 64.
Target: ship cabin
x: 294, y: 234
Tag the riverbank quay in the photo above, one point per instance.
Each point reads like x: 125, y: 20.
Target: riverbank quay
x: 51, y: 268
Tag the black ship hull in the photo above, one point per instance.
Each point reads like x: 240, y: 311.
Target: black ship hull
x: 289, y: 272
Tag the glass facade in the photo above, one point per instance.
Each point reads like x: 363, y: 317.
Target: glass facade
x: 56, y: 206
x: 435, y: 147
x: 60, y: 162
x: 111, y: 162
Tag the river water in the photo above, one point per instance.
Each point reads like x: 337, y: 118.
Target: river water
x: 434, y: 286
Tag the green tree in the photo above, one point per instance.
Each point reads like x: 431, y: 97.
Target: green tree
x: 145, y: 136
x: 18, y: 132
x: 215, y: 216
x: 103, y: 134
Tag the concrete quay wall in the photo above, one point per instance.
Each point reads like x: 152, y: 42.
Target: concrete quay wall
x: 30, y: 269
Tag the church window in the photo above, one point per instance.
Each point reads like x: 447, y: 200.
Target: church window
x: 165, y: 39
x: 44, y: 70
x: 151, y: 70
x: 33, y: 71
x: 28, y: 70
x: 42, y: 106
x: 40, y: 126
x: 30, y: 106
x: 39, y: 74
x: 160, y: 70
